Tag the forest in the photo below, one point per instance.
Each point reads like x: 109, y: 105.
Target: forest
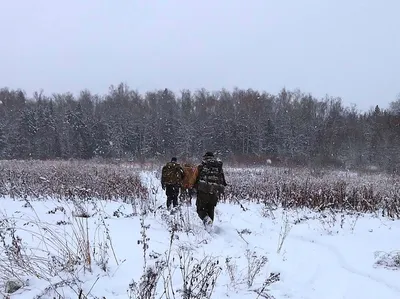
x: 291, y: 127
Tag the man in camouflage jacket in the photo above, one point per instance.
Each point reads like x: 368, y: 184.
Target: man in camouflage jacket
x: 210, y: 183
x: 172, y: 187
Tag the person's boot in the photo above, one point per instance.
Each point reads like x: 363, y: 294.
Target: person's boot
x: 207, y: 223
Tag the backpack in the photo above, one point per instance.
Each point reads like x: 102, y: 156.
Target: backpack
x: 171, y: 174
x: 211, y: 177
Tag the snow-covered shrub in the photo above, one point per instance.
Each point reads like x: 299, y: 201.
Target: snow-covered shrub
x: 389, y: 260
x: 57, y: 254
x: 298, y: 188
x: 70, y: 180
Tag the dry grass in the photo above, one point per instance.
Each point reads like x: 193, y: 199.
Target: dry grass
x: 65, y: 251
x: 303, y: 188
x: 273, y: 186
x: 78, y: 181
x: 57, y: 256
x: 69, y: 180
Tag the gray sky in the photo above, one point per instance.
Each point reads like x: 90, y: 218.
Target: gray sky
x: 349, y: 49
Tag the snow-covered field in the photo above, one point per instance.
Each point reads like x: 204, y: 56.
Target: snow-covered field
x: 257, y: 253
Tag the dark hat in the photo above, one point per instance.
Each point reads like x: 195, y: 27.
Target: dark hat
x: 209, y: 154
x: 173, y: 159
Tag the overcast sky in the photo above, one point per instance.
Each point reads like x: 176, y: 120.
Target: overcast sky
x: 349, y: 49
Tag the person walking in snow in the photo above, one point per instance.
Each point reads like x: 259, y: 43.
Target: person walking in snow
x: 171, y: 179
x: 210, y: 184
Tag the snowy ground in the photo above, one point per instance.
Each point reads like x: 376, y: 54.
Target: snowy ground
x: 313, y: 255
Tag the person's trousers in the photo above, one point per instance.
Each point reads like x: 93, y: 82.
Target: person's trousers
x: 205, y: 205
x: 172, y: 192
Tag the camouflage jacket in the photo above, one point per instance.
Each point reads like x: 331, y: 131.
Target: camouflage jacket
x: 172, y: 173
x: 210, y: 176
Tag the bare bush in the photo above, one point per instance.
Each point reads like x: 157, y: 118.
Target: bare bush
x: 262, y: 292
x: 253, y: 269
x: 70, y: 180
x: 198, y: 277
x: 298, y: 188
x: 57, y: 255
x: 389, y: 260
x: 231, y: 268
x: 284, y: 232
x: 255, y: 264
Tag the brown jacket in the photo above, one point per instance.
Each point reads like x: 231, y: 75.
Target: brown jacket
x: 190, y: 175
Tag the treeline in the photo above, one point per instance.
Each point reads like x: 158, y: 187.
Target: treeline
x: 288, y: 127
